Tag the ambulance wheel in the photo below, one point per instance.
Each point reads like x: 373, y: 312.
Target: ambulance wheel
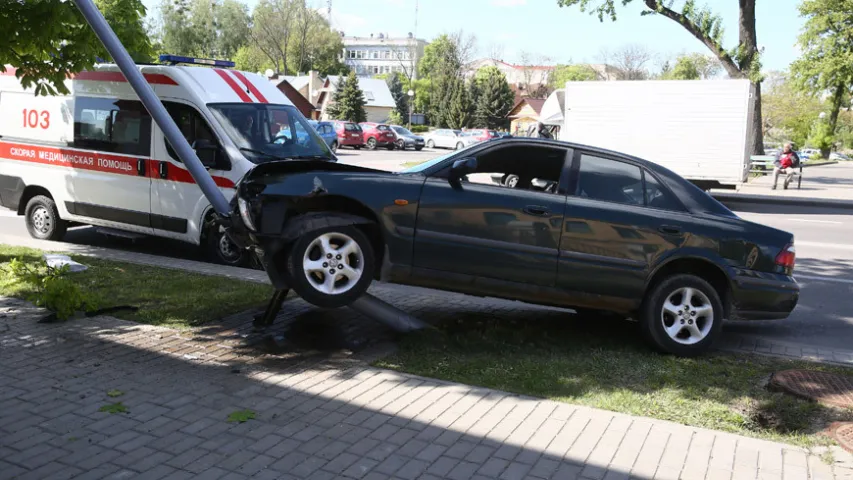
x: 221, y: 250
x: 331, y: 267
x: 42, y: 219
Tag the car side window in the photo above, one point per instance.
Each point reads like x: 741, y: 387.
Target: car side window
x: 610, y: 181
x: 520, y: 167
x: 112, y: 125
x: 191, y: 124
x: 659, y: 197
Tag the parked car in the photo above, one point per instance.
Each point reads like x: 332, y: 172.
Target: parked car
x: 378, y: 135
x: 349, y: 134
x: 481, y: 135
x: 327, y: 132
x: 447, y: 138
x: 840, y: 157
x: 583, y: 228
x: 406, y: 139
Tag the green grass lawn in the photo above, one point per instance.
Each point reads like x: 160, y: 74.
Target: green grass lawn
x: 602, y: 363
x: 166, y: 297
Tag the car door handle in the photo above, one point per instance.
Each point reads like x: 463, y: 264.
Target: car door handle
x: 164, y: 170
x: 669, y: 230
x: 537, y: 210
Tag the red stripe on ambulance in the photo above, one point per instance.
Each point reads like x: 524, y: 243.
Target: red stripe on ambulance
x: 152, y: 78
x: 231, y: 83
x: 250, y: 86
x: 98, y: 162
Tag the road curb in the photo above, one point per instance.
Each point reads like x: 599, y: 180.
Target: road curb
x: 734, y: 198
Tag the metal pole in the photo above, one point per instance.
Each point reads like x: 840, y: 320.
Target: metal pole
x: 152, y: 104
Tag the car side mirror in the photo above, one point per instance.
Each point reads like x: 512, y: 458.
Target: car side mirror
x: 462, y: 167
x: 207, y: 152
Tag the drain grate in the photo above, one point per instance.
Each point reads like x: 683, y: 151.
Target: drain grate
x: 826, y: 388
x: 843, y: 433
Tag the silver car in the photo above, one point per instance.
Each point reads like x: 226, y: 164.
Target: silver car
x: 447, y: 138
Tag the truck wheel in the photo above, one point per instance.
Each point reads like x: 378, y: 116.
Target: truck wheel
x: 682, y: 316
x: 331, y: 267
x: 42, y: 219
x: 371, y: 143
x: 220, y: 249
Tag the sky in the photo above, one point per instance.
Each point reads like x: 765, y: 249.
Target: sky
x: 561, y: 35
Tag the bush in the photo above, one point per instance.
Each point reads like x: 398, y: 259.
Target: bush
x: 53, y: 289
x: 419, y: 128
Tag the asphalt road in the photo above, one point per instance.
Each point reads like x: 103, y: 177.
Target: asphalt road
x: 824, y: 317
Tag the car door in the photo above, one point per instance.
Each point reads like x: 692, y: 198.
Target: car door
x: 618, y: 220
x: 177, y: 202
x: 442, y: 138
x: 478, y: 228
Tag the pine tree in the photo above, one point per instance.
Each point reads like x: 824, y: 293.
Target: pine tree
x: 349, y: 101
x: 459, y: 112
x: 401, y: 100
x: 495, y: 99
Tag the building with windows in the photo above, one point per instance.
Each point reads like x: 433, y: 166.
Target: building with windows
x: 378, y: 54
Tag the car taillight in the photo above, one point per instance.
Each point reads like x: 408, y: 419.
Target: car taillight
x: 787, y: 257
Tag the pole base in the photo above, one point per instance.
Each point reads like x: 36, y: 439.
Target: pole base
x: 387, y: 314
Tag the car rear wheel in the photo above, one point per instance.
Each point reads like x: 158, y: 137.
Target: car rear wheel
x: 371, y: 144
x: 334, y: 147
x: 430, y: 144
x: 331, y: 267
x: 391, y: 146
x: 459, y: 146
x: 401, y: 144
x: 42, y: 219
x: 358, y: 147
x: 418, y: 149
x: 220, y: 249
x: 683, y: 315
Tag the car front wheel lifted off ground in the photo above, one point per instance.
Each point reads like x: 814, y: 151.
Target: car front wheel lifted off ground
x: 683, y: 315
x: 42, y: 219
x: 331, y: 267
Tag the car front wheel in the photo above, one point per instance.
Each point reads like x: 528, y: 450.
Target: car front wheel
x: 371, y: 144
x: 430, y: 144
x: 683, y: 315
x: 331, y: 267
x: 334, y: 147
x: 220, y: 249
x: 401, y: 144
x: 459, y: 146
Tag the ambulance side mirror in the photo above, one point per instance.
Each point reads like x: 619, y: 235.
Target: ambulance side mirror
x: 207, y: 152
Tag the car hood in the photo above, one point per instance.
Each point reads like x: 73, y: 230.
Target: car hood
x: 268, y: 172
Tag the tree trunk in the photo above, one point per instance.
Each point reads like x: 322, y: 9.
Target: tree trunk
x: 756, y: 128
x: 837, y: 98
x: 749, y: 44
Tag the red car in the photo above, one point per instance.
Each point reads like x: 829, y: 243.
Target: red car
x: 378, y: 135
x: 349, y: 134
x: 481, y: 135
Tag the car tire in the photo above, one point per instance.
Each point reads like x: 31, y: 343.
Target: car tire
x: 334, y: 147
x: 460, y: 146
x: 357, y: 147
x: 401, y: 145
x: 678, y: 325
x: 391, y: 146
x: 418, y: 149
x: 430, y: 144
x: 371, y: 143
x: 221, y: 250
x: 307, y: 272
x: 42, y: 219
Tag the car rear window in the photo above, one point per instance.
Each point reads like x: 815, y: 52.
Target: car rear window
x: 352, y: 127
x: 383, y: 128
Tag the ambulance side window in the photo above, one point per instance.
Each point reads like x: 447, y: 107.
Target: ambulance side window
x: 112, y: 125
x: 194, y: 127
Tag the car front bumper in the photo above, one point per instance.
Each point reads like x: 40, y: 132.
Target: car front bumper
x: 764, y: 296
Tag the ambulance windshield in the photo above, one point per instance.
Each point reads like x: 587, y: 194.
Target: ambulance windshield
x: 266, y: 132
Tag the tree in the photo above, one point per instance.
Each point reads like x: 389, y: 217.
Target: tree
x: 459, y: 112
x: 827, y: 61
x: 494, y: 99
x: 535, y: 77
x: 349, y: 101
x: 232, y: 19
x: 629, y: 61
x: 272, y: 30
x: 740, y: 62
x: 47, y: 40
x: 693, y: 66
x: 439, y: 74
x: 251, y: 59
x: 571, y: 73
x: 401, y: 100
x: 788, y: 113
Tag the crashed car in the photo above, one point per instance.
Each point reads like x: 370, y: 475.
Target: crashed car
x: 579, y: 227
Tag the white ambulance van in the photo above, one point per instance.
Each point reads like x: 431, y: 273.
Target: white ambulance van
x: 95, y: 157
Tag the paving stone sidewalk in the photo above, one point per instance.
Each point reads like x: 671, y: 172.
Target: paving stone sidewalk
x: 316, y: 418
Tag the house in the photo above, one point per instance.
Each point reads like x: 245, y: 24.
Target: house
x: 303, y: 91
x: 524, y: 114
x: 378, y: 54
x: 376, y: 93
x: 525, y: 80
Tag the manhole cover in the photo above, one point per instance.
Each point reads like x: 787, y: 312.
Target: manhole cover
x: 843, y: 433
x: 826, y: 388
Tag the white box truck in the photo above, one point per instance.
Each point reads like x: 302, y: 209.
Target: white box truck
x: 696, y: 128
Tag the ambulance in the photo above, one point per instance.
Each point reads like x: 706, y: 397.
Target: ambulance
x: 95, y: 157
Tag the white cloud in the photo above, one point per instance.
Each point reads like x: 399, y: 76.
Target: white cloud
x: 509, y: 3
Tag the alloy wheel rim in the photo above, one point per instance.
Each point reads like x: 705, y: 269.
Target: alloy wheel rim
x: 333, y: 263
x: 41, y: 220
x: 687, y: 315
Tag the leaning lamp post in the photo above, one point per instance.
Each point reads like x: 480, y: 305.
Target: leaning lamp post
x: 411, y: 94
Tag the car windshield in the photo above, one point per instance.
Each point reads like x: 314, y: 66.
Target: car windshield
x: 435, y: 161
x: 402, y: 130
x: 265, y: 132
